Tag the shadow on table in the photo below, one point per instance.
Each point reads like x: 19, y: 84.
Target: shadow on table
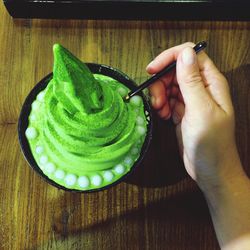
x: 162, y: 165
x: 180, y: 222
x: 240, y: 91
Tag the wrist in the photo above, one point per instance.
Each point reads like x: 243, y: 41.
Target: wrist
x: 229, y: 174
x: 227, y: 185
x: 229, y: 208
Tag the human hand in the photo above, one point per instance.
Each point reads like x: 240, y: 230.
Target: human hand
x: 198, y: 99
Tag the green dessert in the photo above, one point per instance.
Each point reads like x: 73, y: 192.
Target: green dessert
x: 81, y: 133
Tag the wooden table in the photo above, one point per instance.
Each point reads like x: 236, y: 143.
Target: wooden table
x: 159, y: 206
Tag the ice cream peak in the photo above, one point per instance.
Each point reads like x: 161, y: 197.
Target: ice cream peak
x: 74, y: 85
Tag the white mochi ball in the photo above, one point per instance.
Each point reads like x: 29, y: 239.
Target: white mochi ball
x: 39, y: 149
x: 31, y: 133
x: 119, y: 169
x: 35, y: 105
x: 135, y: 151
x: 141, y: 130
x: 136, y: 100
x: 44, y: 159
x: 83, y: 181
x: 59, y: 174
x: 40, y: 96
x: 139, y: 120
x: 96, y: 180
x: 70, y: 179
x: 122, y: 91
x: 32, y: 117
x: 128, y: 160
x: 50, y: 167
x: 108, y: 176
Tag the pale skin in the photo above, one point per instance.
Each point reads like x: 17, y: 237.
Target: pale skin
x: 196, y: 96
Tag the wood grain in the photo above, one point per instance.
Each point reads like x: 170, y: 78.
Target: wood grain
x: 158, y: 207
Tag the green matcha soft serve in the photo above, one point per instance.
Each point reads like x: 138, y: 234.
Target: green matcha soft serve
x: 82, y: 134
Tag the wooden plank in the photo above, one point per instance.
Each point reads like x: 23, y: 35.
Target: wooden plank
x: 158, y: 207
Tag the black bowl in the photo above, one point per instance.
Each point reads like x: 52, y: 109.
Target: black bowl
x: 96, y: 69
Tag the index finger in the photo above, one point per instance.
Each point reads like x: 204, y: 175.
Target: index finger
x: 166, y: 57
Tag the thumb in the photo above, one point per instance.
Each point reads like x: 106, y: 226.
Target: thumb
x: 190, y: 80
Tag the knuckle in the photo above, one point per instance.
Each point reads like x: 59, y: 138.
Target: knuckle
x: 192, y: 79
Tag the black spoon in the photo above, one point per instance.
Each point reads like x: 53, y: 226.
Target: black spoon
x: 197, y: 48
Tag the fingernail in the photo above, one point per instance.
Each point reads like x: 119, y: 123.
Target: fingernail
x: 175, y: 118
x: 172, y: 103
x: 153, y: 100
x: 188, y: 56
x: 150, y: 65
x: 168, y: 116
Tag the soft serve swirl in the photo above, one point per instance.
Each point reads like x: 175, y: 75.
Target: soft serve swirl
x: 84, y: 125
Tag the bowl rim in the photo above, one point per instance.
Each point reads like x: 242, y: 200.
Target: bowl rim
x: 23, y: 121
